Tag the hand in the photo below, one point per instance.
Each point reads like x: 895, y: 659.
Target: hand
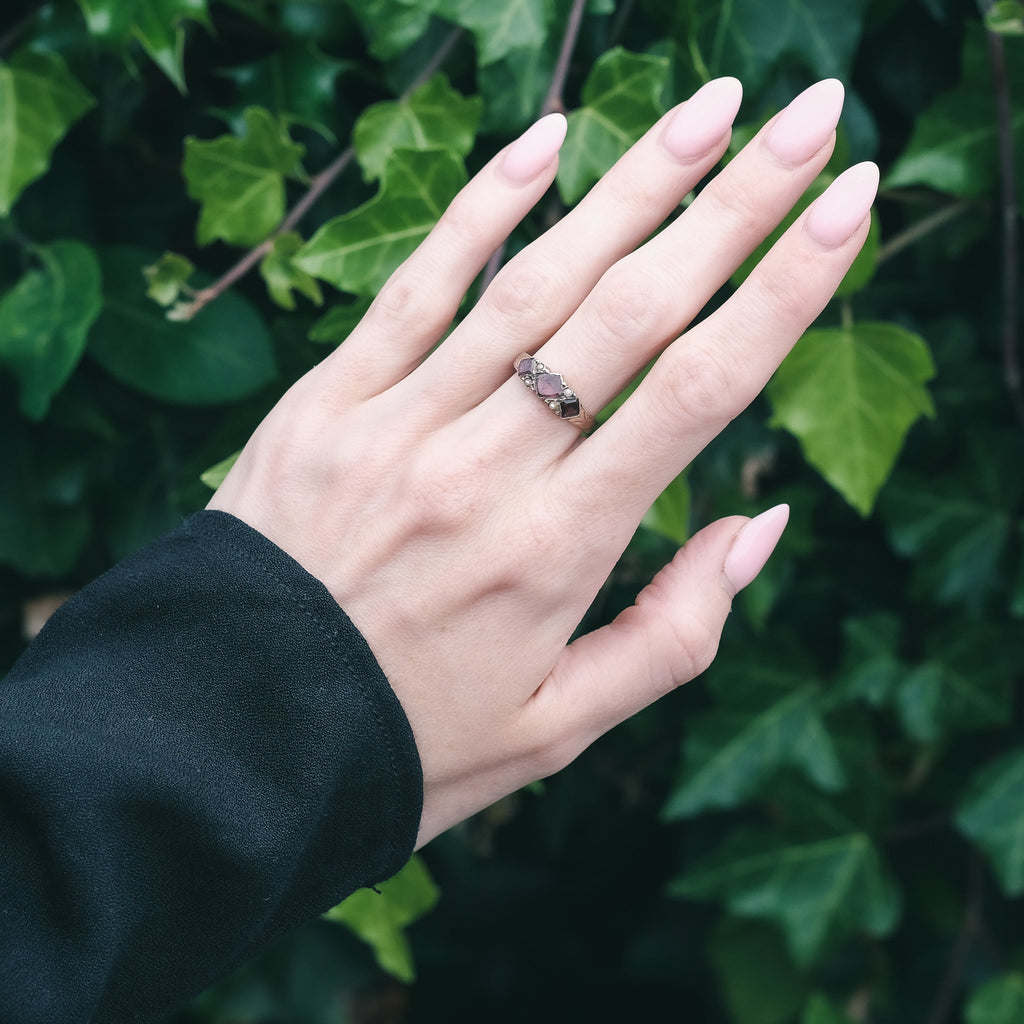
x: 463, y: 527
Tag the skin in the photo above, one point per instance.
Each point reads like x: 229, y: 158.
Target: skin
x: 465, y: 529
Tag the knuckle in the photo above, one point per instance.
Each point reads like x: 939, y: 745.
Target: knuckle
x: 698, y: 384
x: 628, y: 303
x: 526, y: 289
x: 781, y: 298
x: 732, y: 210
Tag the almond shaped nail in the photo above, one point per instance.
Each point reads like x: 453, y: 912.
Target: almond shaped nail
x: 534, y: 149
x: 837, y: 213
x: 753, y: 545
x: 807, y: 123
x: 703, y: 119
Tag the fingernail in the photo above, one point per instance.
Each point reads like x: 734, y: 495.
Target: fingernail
x: 753, y: 545
x: 703, y: 119
x: 534, y: 149
x: 807, y: 123
x: 841, y: 208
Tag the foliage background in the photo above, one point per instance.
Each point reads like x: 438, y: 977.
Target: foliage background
x: 828, y: 827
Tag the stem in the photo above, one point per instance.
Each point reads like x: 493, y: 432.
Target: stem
x: 318, y: 185
x: 925, y: 226
x: 555, y: 101
x: 1008, y: 209
x: 968, y: 929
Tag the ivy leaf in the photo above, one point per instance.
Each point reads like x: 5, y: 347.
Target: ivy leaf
x: 167, y: 278
x: 283, y: 277
x: 514, y: 88
x: 966, y: 684
x: 391, y: 26
x: 813, y: 889
x: 730, y: 756
x: 850, y: 394
x: 621, y: 100
x: 45, y: 320
x: 670, y: 513
x: 339, y: 321
x: 223, y: 354
x: 379, y: 918
x: 1005, y: 17
x: 435, y: 116
x: 956, y: 524
x: 871, y: 668
x: 240, y: 181
x: 358, y: 251
x: 992, y: 815
x: 748, y: 38
x: 158, y: 25
x: 820, y: 1010
x: 954, y: 146
x: 999, y: 1001
x: 496, y: 27
x: 295, y: 83
x: 39, y: 101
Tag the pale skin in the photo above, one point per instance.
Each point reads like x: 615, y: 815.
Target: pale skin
x: 462, y: 526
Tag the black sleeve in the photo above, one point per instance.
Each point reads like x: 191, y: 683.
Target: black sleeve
x: 198, y: 753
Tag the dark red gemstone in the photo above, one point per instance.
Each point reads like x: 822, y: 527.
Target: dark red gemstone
x: 549, y: 385
x: 569, y: 408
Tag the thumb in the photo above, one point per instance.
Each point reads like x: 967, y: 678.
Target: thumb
x: 666, y: 638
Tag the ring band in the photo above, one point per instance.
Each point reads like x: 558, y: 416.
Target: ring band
x: 551, y: 389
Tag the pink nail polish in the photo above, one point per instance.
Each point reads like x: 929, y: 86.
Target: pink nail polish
x: 534, y: 149
x: 703, y: 119
x: 807, y: 123
x: 837, y: 213
x: 753, y: 545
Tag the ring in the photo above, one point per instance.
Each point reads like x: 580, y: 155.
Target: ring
x: 551, y: 389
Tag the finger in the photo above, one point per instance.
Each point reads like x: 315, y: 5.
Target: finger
x: 543, y: 285
x: 713, y: 372
x: 651, y: 295
x: 669, y: 636
x: 419, y: 300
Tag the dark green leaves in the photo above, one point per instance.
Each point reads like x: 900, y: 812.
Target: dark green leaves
x: 992, y: 815
x: 158, y: 25
x: 358, y: 251
x: 221, y: 355
x: 240, y: 181
x: 39, y: 101
x: 45, y: 320
x: 622, y: 98
x: 730, y: 755
x: 999, y: 1001
x: 497, y: 27
x: 850, y: 395
x: 813, y: 889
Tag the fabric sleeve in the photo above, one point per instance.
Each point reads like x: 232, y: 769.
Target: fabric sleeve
x: 197, y: 754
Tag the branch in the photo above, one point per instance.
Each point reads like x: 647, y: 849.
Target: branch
x: 318, y: 185
x: 964, y: 940
x: 925, y: 226
x: 555, y: 101
x: 1008, y: 209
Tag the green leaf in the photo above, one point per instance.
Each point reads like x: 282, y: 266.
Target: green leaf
x: 514, y: 88
x: 435, y: 116
x: 167, y: 278
x: 622, y: 98
x: 215, y: 475
x: 39, y: 101
x: 379, y: 918
x: 496, y: 27
x: 45, y: 321
x: 358, y: 251
x: 223, y: 354
x: 966, y: 684
x: 871, y: 668
x: 669, y: 516
x: 1005, y: 17
x: 954, y: 146
x: 283, y: 277
x: 158, y: 25
x: 730, y: 756
x: 819, y: 1010
x: 339, y: 322
x: 240, y: 181
x: 850, y: 394
x: 992, y: 815
x: 391, y: 26
x: 998, y: 1001
x: 813, y: 889
x: 749, y: 38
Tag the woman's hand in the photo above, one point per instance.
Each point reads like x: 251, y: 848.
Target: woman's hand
x: 463, y: 527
